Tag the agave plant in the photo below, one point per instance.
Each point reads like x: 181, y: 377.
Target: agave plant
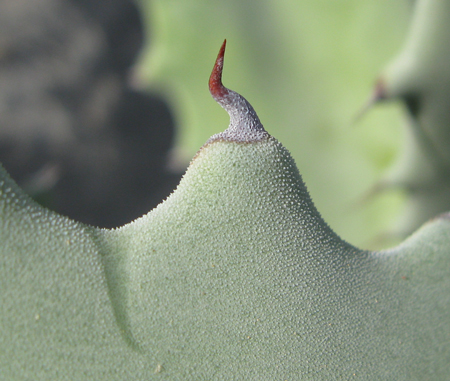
x: 234, y: 275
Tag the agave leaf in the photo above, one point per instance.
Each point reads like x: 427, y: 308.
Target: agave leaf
x: 235, y: 275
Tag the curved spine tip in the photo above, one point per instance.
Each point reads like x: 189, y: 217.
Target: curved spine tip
x: 244, y: 123
x: 217, y: 89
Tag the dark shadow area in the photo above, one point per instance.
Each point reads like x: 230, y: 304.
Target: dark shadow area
x: 73, y: 132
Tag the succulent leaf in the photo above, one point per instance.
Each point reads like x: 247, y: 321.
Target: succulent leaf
x: 235, y: 275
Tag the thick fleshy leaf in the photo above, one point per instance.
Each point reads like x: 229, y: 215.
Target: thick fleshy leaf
x: 235, y: 275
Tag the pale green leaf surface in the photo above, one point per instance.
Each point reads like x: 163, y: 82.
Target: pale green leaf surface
x: 235, y: 275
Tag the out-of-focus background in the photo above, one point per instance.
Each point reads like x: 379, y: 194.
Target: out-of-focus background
x: 103, y: 103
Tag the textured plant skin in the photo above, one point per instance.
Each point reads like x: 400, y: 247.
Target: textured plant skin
x: 420, y: 77
x: 234, y: 276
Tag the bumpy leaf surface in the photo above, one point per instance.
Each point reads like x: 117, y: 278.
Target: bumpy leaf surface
x: 234, y: 276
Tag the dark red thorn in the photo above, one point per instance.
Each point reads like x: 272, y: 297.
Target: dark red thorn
x: 216, y: 88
